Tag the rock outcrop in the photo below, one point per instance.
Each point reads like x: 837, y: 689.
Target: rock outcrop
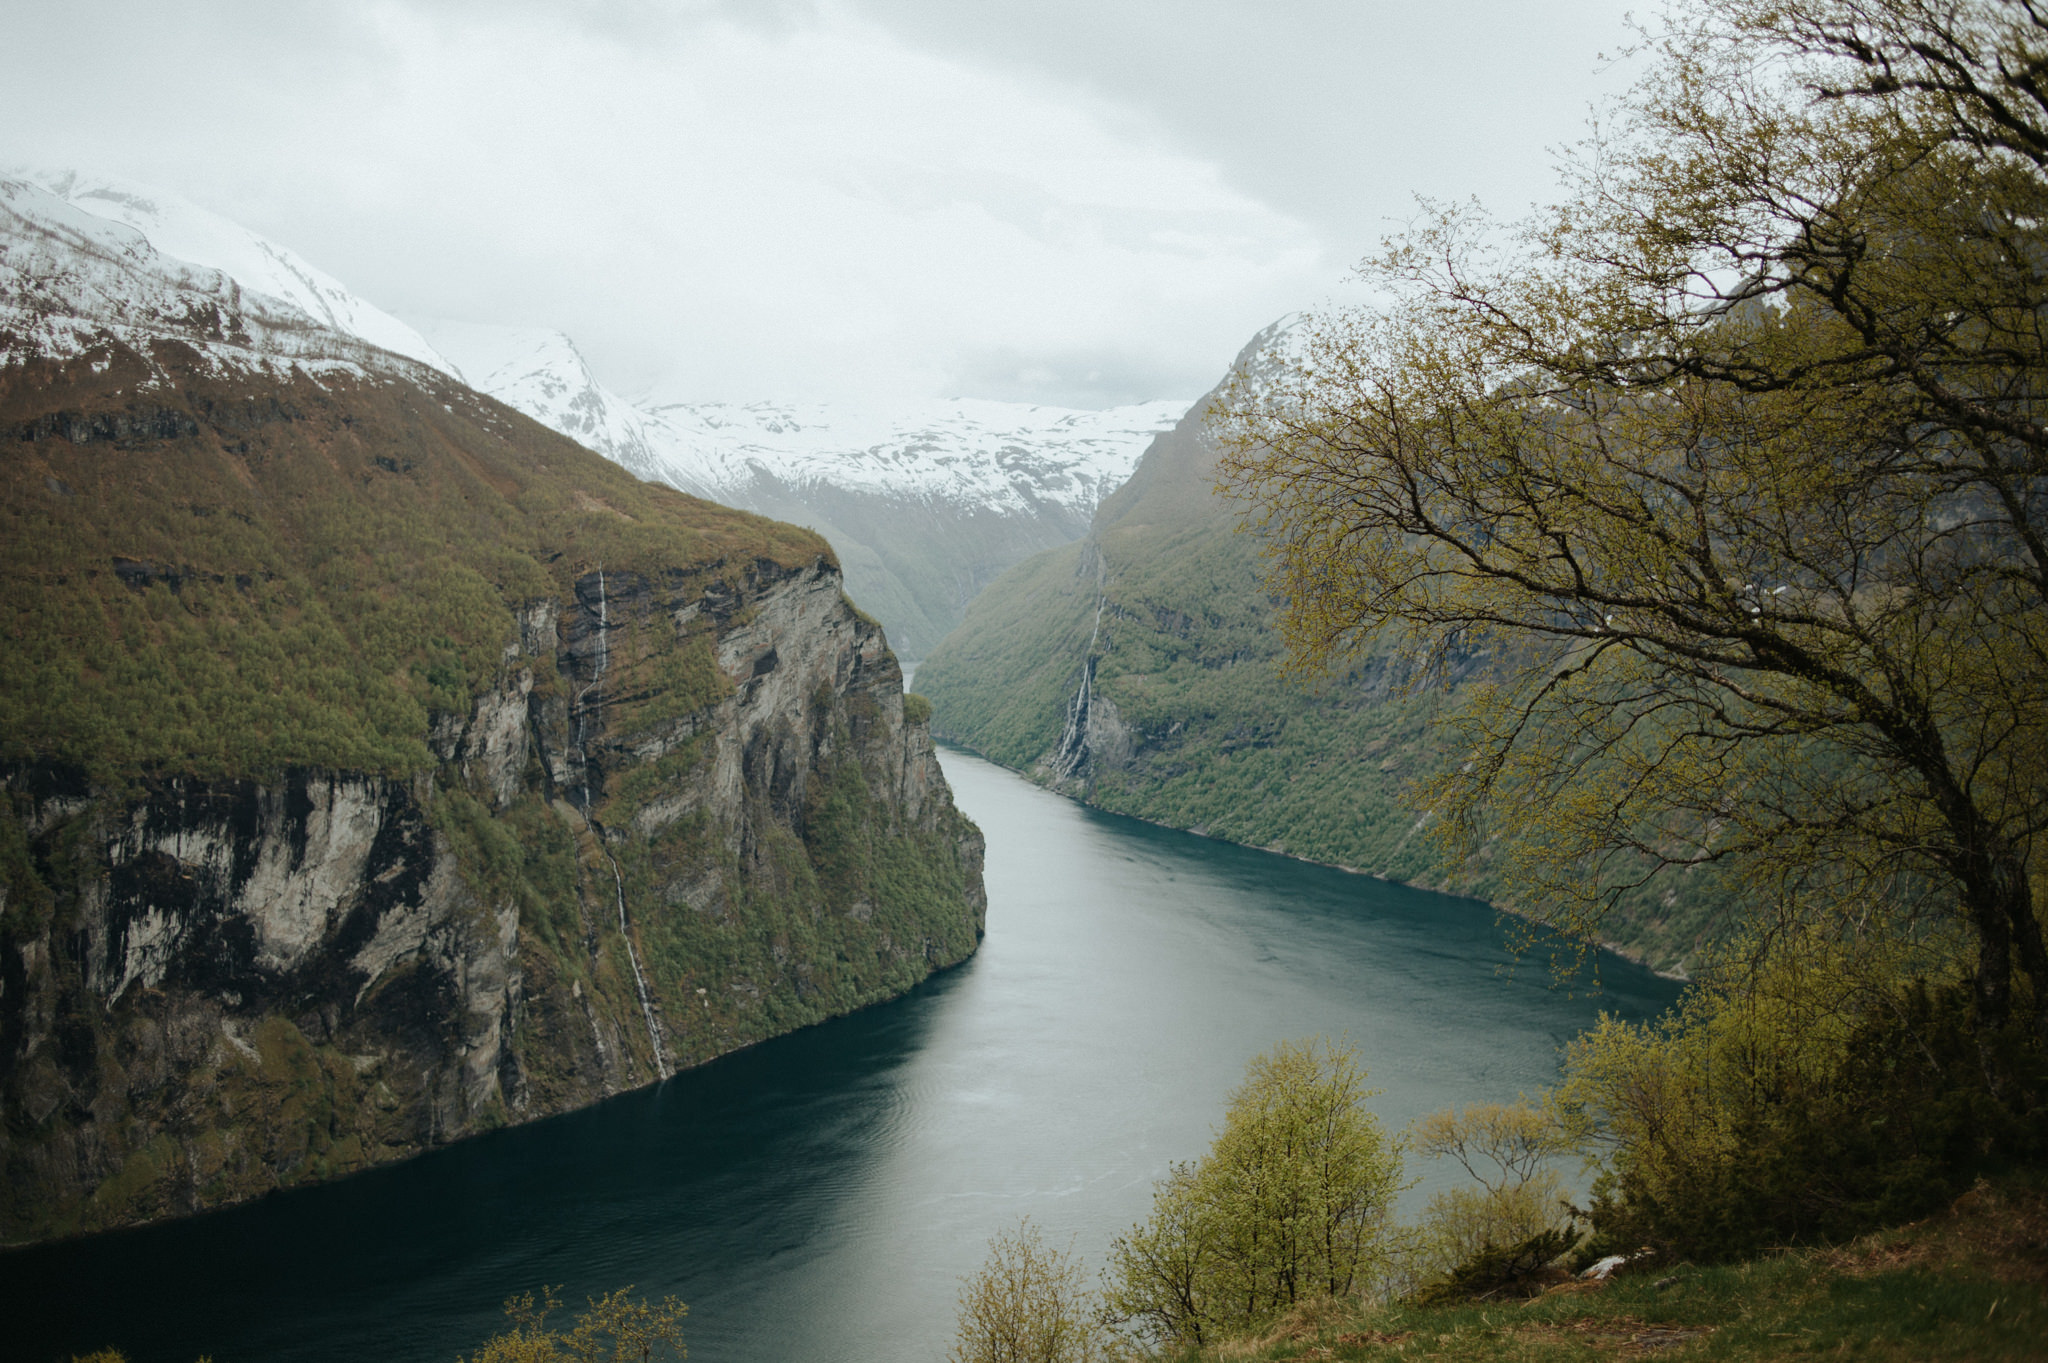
x: 576, y: 782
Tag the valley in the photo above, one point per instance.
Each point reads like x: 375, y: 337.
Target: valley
x: 1142, y: 670
x: 732, y: 770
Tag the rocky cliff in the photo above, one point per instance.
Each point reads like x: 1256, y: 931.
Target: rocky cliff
x: 380, y: 768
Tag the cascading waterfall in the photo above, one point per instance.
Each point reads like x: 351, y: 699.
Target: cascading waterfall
x: 1073, y: 747
x: 661, y: 1065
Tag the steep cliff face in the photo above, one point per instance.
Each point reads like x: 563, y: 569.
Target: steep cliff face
x: 381, y: 768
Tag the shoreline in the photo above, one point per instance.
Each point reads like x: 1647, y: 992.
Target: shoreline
x: 1633, y: 957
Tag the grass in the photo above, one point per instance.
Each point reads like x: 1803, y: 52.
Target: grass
x: 1970, y: 1283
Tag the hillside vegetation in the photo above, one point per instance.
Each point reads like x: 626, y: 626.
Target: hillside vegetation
x: 380, y: 767
x: 1198, y: 723
x: 300, y: 575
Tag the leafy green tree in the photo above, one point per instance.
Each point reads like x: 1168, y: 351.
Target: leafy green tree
x: 1029, y: 1303
x: 614, y: 1328
x: 1291, y: 1204
x: 1740, y: 453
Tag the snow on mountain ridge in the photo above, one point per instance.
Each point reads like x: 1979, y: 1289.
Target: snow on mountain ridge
x: 173, y: 251
x: 1001, y: 455
x: 541, y: 372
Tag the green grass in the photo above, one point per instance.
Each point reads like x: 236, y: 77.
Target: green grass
x: 1968, y: 1284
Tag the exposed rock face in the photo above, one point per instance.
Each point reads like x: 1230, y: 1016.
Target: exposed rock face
x: 684, y: 811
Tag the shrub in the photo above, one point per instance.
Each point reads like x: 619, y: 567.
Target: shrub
x: 1028, y: 1304
x: 1289, y: 1205
x: 1812, y: 1098
x: 1476, y: 1240
x: 614, y: 1329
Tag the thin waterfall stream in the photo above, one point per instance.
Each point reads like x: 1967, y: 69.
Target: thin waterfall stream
x: 661, y: 1062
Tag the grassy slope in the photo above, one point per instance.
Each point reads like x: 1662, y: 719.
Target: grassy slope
x: 1969, y: 1284
x: 1229, y: 744
x: 315, y: 568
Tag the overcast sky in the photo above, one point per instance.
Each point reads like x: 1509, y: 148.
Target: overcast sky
x: 1083, y: 202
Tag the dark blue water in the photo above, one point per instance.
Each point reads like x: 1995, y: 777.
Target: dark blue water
x: 819, y: 1196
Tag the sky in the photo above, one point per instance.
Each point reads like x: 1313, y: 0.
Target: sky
x: 1075, y: 202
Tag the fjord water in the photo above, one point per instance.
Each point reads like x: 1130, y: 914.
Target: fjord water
x: 818, y: 1196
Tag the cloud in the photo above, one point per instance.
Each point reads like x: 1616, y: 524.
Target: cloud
x: 723, y: 200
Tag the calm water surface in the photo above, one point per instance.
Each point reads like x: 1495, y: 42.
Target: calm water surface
x: 817, y: 1197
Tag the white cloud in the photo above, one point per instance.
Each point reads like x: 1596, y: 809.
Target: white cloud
x: 803, y: 202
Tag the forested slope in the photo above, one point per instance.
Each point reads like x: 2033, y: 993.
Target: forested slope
x: 1141, y: 670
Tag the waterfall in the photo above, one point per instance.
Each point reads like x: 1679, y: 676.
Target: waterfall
x: 661, y: 1065
x: 1073, y: 747
x: 604, y: 654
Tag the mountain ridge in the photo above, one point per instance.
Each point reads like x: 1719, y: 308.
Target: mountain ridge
x: 378, y: 766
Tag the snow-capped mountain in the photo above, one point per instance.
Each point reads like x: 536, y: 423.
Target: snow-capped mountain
x: 1006, y: 455
x: 925, y: 504
x: 81, y: 254
x: 543, y: 374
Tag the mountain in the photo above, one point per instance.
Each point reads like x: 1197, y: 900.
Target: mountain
x: 378, y: 766
x: 924, y: 506
x: 97, y: 249
x: 1141, y: 670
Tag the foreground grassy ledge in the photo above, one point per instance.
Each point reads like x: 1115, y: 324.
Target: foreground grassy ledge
x: 1968, y: 1283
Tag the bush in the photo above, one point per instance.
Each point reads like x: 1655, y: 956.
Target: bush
x: 1480, y: 1240
x: 1290, y: 1204
x: 614, y: 1329
x: 1028, y: 1304
x: 1808, y: 1100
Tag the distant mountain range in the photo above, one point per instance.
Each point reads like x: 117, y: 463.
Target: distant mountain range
x: 924, y: 506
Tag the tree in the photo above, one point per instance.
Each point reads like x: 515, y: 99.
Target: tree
x: 615, y: 1328
x: 1289, y: 1205
x: 1520, y: 1201
x: 1740, y: 454
x: 1028, y: 1304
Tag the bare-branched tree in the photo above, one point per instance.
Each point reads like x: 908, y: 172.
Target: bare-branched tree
x: 1741, y: 449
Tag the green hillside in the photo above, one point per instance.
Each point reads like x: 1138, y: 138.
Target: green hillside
x: 1198, y: 723
x: 378, y: 767
x: 229, y: 586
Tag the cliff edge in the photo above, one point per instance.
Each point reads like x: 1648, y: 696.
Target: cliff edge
x: 380, y: 767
